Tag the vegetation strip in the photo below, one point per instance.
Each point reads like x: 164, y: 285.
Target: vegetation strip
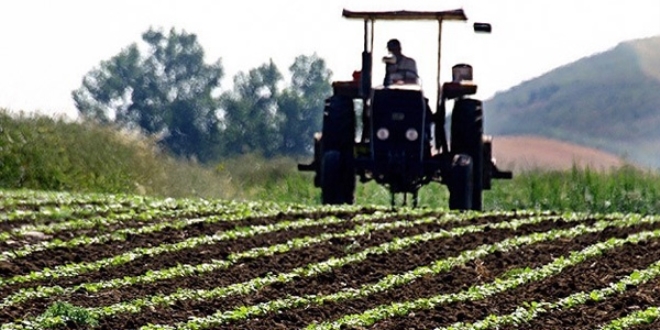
x: 183, y: 270
x: 153, y: 276
x: 77, y: 214
x: 478, y: 292
x: 61, y: 213
x: 227, y: 214
x: 532, y: 310
x: 388, y: 282
x: 116, y: 236
x: 99, y: 221
x: 85, y: 267
x: 17, y: 204
x: 13, y: 198
x: 646, y: 316
x: 137, y: 305
x: 76, y: 269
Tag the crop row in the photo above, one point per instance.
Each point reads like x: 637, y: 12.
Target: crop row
x: 182, y: 270
x: 141, y: 304
x: 646, y: 316
x: 396, y: 280
x: 12, y: 199
x: 310, y: 270
x: 235, y: 212
x: 61, y: 213
x: 534, y: 309
x: 79, y: 268
x: 179, y: 270
x: 479, y: 292
x: 103, y: 222
x: 333, y: 263
x: 76, y: 269
x: 16, y: 201
x: 33, y: 205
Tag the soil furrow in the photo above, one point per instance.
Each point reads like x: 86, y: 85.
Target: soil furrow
x: 246, y: 269
x: 587, y: 276
x: 593, y: 313
x: 101, y: 229
x: 85, y: 253
x: 457, y: 279
x: 141, y: 265
x: 42, y: 219
x: 375, y: 267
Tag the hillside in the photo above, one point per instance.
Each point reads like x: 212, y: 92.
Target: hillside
x: 609, y: 101
x: 520, y: 153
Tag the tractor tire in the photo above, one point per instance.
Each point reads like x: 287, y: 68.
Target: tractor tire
x: 460, y: 183
x: 337, y: 150
x: 338, y: 124
x: 337, y: 178
x: 467, y: 129
x: 488, y: 163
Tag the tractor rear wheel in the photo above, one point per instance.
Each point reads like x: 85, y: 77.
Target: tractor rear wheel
x: 338, y: 124
x: 460, y: 183
x: 337, y: 170
x: 337, y: 178
x: 467, y: 128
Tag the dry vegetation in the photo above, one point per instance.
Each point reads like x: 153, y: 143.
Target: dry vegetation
x: 522, y: 153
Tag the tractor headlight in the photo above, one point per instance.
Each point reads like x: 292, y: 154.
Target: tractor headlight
x: 411, y: 134
x: 383, y: 134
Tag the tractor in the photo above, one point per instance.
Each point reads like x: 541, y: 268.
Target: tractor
x: 403, y: 144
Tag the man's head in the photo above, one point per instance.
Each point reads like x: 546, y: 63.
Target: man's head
x: 394, y: 46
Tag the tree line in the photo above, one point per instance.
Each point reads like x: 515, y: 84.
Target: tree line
x: 166, y: 90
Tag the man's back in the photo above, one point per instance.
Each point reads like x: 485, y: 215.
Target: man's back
x: 405, y: 71
x: 399, y: 68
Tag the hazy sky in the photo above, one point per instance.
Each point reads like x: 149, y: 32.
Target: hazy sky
x: 48, y: 46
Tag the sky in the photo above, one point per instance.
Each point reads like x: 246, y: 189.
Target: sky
x: 48, y: 46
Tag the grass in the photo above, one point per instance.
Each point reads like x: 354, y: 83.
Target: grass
x: 624, y: 189
x: 43, y: 153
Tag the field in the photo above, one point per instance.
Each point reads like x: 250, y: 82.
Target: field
x: 122, y: 262
x: 527, y: 152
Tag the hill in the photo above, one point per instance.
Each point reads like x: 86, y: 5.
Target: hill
x: 520, y: 153
x: 609, y: 101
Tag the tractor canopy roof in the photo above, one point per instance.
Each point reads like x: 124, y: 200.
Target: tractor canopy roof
x: 405, y: 15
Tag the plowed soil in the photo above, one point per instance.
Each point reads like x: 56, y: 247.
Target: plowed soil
x: 592, y: 274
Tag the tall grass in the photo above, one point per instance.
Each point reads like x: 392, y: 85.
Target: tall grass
x: 38, y: 152
x: 623, y: 189
x: 50, y: 154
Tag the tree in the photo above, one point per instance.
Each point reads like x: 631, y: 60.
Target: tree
x: 168, y: 91
x: 258, y: 116
x: 301, y: 103
x: 250, y: 112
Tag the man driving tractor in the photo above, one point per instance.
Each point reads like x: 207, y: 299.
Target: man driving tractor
x: 398, y: 67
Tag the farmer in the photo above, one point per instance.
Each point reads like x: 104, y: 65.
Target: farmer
x: 399, y: 69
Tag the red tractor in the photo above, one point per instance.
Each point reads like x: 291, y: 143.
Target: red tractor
x: 403, y: 144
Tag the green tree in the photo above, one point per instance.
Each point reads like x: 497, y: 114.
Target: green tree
x: 259, y: 116
x: 167, y: 91
x: 250, y: 112
x: 300, y: 105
